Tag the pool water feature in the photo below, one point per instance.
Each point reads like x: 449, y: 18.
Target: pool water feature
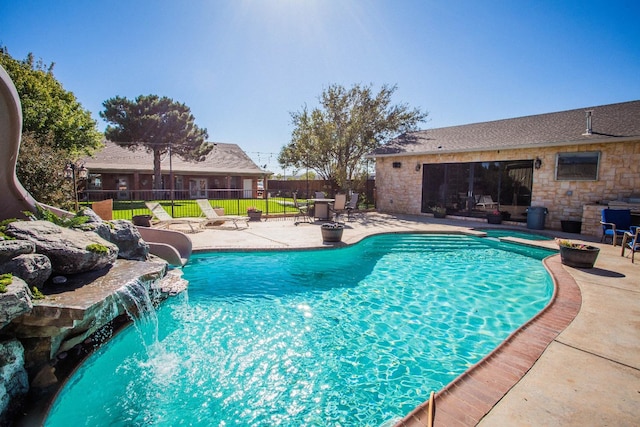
x: 352, y: 336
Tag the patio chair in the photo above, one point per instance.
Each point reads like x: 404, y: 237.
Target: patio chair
x: 486, y: 201
x: 303, y: 211
x: 214, y: 219
x: 352, y: 206
x: 615, y: 222
x: 630, y: 241
x: 319, y: 195
x: 338, y: 207
x: 164, y: 220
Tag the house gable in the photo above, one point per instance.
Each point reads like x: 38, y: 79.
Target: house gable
x: 224, y: 159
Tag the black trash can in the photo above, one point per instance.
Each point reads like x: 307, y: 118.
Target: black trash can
x: 536, y: 216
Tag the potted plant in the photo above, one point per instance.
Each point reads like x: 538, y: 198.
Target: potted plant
x: 494, y: 217
x: 254, y: 214
x: 578, y: 255
x: 439, y: 211
x: 332, y: 232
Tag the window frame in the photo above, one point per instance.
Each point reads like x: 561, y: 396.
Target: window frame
x: 576, y: 155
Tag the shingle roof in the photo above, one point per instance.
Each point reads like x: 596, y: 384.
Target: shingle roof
x: 610, y: 123
x: 223, y: 159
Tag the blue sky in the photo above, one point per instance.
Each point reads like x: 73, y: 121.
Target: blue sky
x: 243, y: 66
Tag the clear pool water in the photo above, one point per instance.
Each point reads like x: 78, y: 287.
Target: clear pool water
x: 356, y: 336
x: 515, y: 233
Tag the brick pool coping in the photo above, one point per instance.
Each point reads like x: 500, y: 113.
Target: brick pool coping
x: 468, y: 398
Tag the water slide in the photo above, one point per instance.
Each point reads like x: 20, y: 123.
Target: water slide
x: 15, y: 199
x: 172, y: 246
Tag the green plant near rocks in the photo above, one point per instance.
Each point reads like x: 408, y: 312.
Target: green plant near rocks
x: 97, y: 248
x: 5, y: 280
x: 47, y: 215
x: 3, y: 227
x: 36, y: 294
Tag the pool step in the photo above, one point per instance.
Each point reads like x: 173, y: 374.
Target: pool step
x: 433, y: 243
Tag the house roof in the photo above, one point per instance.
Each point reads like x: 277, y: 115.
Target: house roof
x: 609, y: 123
x: 224, y: 159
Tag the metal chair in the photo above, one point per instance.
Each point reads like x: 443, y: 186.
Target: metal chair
x: 352, y: 206
x: 615, y: 222
x: 339, y: 206
x: 303, y: 211
x: 630, y: 241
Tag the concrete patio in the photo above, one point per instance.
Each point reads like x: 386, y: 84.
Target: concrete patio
x: 586, y: 373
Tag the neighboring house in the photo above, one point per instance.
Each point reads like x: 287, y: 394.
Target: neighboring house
x: 120, y: 173
x: 571, y: 162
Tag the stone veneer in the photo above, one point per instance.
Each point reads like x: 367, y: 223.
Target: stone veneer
x: 399, y: 190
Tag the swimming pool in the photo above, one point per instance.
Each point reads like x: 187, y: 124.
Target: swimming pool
x: 351, y: 336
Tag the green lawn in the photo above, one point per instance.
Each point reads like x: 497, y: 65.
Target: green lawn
x: 125, y: 209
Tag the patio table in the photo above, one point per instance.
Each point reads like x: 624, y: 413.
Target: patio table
x: 321, y: 208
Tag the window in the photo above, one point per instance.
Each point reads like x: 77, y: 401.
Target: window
x: 577, y: 166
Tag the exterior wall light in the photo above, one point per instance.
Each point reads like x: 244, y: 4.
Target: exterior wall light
x: 537, y: 163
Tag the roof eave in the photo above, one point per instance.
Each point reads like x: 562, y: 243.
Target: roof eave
x: 596, y: 140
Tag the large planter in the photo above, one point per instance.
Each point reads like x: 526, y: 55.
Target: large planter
x: 571, y: 226
x: 332, y: 232
x: 142, y: 220
x: 254, y: 215
x: 494, y: 218
x: 579, y: 257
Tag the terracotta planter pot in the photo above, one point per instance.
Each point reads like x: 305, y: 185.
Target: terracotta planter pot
x: 579, y: 258
x: 331, y: 233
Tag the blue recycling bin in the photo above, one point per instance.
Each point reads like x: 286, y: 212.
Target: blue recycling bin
x: 536, y: 216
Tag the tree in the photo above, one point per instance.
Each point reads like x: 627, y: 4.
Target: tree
x: 39, y: 169
x: 55, y: 129
x: 159, y: 125
x: 334, y: 138
x: 50, y: 113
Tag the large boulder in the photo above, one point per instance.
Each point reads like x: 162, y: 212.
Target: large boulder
x: 10, y: 249
x: 34, y: 269
x: 14, y: 382
x: 15, y: 301
x: 120, y: 232
x: 129, y: 241
x: 70, y: 251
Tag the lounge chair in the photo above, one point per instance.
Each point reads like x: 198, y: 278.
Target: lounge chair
x: 303, y: 210
x: 213, y: 217
x: 352, y: 206
x: 338, y: 207
x: 487, y: 202
x: 630, y: 241
x: 164, y: 220
x: 615, y: 222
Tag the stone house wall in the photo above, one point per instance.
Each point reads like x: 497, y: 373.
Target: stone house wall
x: 399, y: 190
